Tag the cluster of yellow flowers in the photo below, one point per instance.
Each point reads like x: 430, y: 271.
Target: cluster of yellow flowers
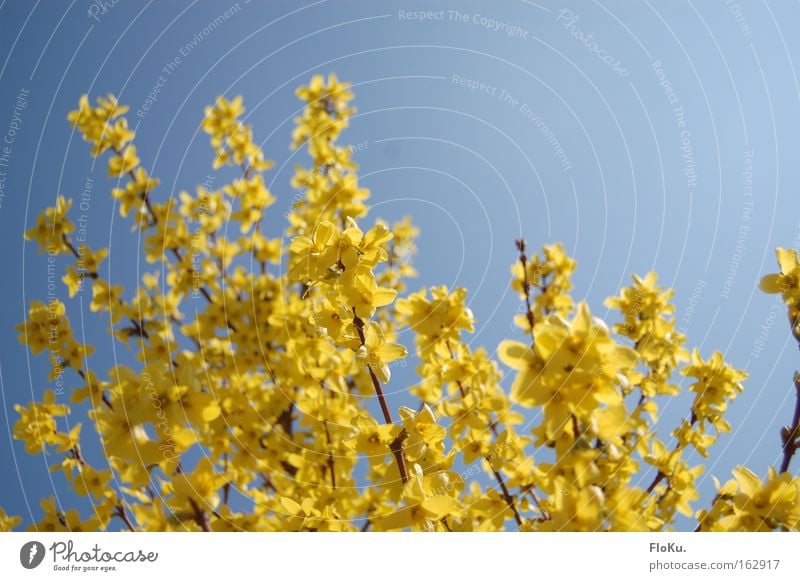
x: 257, y: 410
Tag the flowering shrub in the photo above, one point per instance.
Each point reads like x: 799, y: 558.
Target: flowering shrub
x: 265, y: 392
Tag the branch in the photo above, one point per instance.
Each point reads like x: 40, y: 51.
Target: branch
x: 397, y: 444
x: 507, y: 496
x: 123, y: 514
x: 200, y: 516
x: 526, y: 285
x: 660, y: 475
x: 789, y: 434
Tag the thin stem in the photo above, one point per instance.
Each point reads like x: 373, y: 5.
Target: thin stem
x: 396, y: 446
x: 789, y: 435
x: 507, y: 496
x: 510, y: 501
x: 146, y: 199
x: 387, y: 414
x: 656, y: 481
x: 75, y: 253
x: 200, y: 516
x: 526, y: 286
x: 123, y: 514
x: 331, y: 463
x: 660, y: 475
x: 226, y: 490
x: 461, y: 389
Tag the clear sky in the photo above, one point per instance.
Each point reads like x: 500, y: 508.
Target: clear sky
x: 656, y: 136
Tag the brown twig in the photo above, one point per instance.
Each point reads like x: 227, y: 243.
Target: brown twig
x: 122, y: 513
x: 510, y: 500
x: 660, y: 475
x: 330, y: 462
x: 526, y: 285
x: 507, y: 496
x: 226, y: 489
x: 200, y: 516
x: 396, y: 446
x: 77, y: 254
x: 148, y: 204
x: 789, y: 434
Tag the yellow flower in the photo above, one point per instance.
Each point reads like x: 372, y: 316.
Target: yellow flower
x: 37, y: 425
x: 422, y: 511
x: 440, y: 318
x: 106, y: 297
x: 89, y: 481
x: 52, y: 227
x: 132, y: 196
x: 717, y: 384
x: 70, y: 521
x: 47, y: 326
x: 248, y: 398
x: 572, y: 509
x: 373, y: 439
x: 787, y: 282
x: 123, y: 163
x: 580, y: 355
x: 312, y: 259
x: 200, y: 486
x: 7, y: 523
x: 365, y: 296
x: 377, y: 353
x: 760, y: 506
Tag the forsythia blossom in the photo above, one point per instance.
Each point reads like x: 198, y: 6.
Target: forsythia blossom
x: 256, y: 396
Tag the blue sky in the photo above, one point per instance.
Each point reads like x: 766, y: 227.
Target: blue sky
x: 660, y: 136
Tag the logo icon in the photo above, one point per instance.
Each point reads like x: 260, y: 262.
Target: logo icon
x: 31, y: 554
